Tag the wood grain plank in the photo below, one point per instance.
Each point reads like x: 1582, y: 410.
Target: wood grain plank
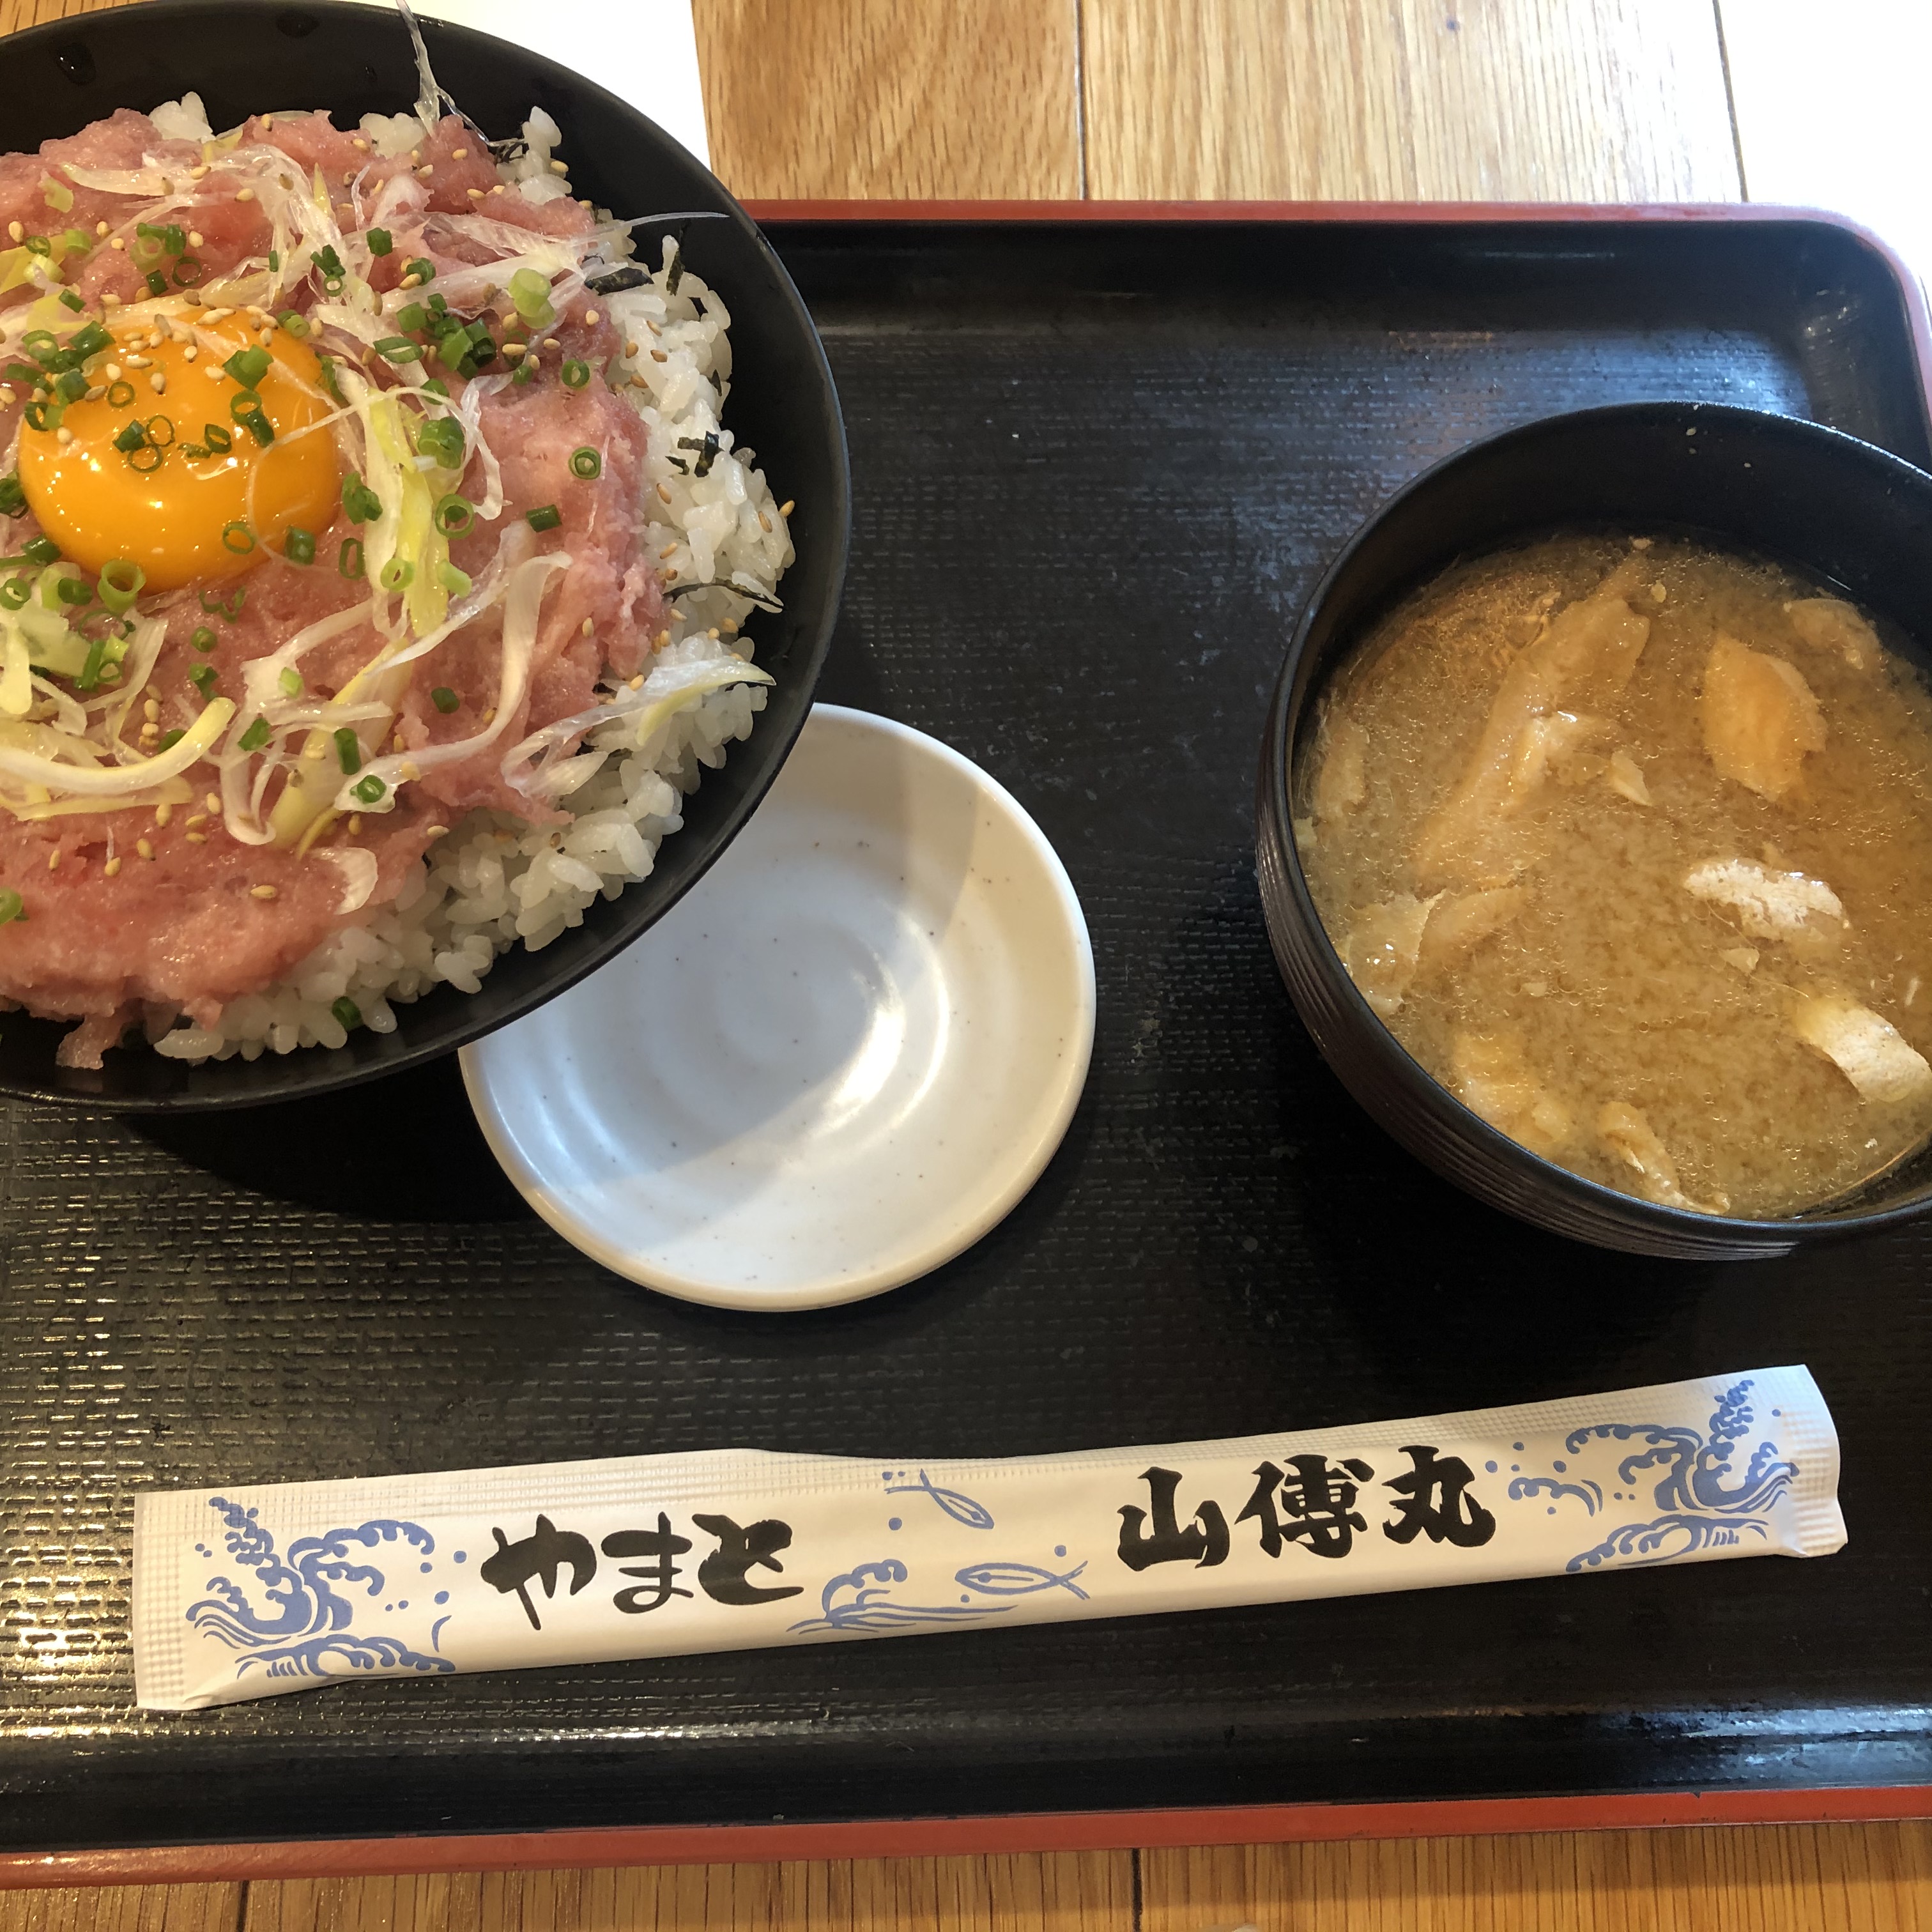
x: 1770, y: 1878
x: 872, y: 97
x: 15, y: 14
x: 1062, y: 1892
x: 1475, y: 100
x: 125, y: 1908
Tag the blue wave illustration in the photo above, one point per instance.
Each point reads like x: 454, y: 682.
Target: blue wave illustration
x: 307, y: 1625
x: 869, y: 1607
x: 1589, y: 1494
x: 961, y: 1509
x: 1705, y: 1503
x: 1018, y: 1579
x: 1642, y: 1543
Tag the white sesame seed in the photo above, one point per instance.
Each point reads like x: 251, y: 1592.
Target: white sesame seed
x: 550, y: 342
x: 195, y: 238
x: 190, y: 353
x: 591, y: 318
x: 669, y: 549
x: 110, y: 301
x: 588, y: 627
x: 354, y: 823
x: 516, y: 351
x: 100, y: 228
x: 158, y: 382
x: 637, y: 682
x: 764, y: 522
x: 116, y: 242
x: 213, y: 802
x: 53, y: 860
x: 196, y: 821
x: 261, y: 891
x: 558, y: 168
x: 152, y: 711
x: 490, y: 716
x: 64, y: 435
x: 163, y: 813
x: 264, y: 337
x: 663, y: 493
x: 316, y: 748
x: 474, y: 193
x: 113, y: 866
x: 430, y: 831
x: 408, y: 772
x: 416, y: 155
x: 142, y: 846
x: 198, y: 173
x: 630, y: 348
x: 112, y: 372
x: 345, y: 207
x: 245, y: 194
x: 196, y: 838
x: 790, y: 504
x: 15, y: 233
x: 459, y: 154
x: 359, y: 144
x: 425, y: 171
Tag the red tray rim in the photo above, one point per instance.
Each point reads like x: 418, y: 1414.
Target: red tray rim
x: 1074, y: 1831
x: 952, y: 1837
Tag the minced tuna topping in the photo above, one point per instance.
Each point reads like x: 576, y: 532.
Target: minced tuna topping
x: 375, y: 560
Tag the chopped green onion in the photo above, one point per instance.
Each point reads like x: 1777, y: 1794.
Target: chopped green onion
x: 40, y: 343
x: 157, y: 283
x: 43, y: 416
x: 298, y: 546
x: 325, y: 259
x: 248, y: 366
x: 348, y: 751
x: 410, y: 317
x: 120, y: 394
x: 14, y: 593
x: 260, y: 427
x: 423, y: 271
x: 586, y: 463
x: 575, y: 375
x: 169, y: 739
x: 131, y: 438
x: 12, y: 907
x: 398, y: 574
x: 294, y: 323
x: 58, y: 197
x: 256, y: 737
x: 20, y: 372
x: 436, y: 386
x: 243, y: 403
x: 203, y: 639
x: 187, y: 272
x: 121, y: 584
x: 70, y: 300
x: 526, y: 371
x: 71, y: 385
x: 290, y: 682
x: 89, y: 678
x: 160, y: 430
x: 360, y: 502
x: 530, y: 291
x: 217, y: 439
x: 453, y: 515
x: 203, y: 676
x: 442, y: 437
x: 74, y: 590
x: 380, y: 241
x: 90, y: 340
x: 41, y: 549
x: 546, y: 517
x: 456, y: 582
x: 369, y: 789
x: 445, y: 700
x: 329, y: 381
x: 237, y: 538
x: 399, y: 349
x: 275, y: 262
x: 437, y: 302
x: 348, y: 558
x: 39, y: 244
x: 347, y: 1014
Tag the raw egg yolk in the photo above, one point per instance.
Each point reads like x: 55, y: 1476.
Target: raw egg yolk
x: 198, y: 495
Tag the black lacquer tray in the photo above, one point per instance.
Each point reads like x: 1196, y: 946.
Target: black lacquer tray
x: 1097, y: 465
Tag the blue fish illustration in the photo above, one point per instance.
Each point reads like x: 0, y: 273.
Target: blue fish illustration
x: 1018, y: 1579
x: 870, y: 1607
x: 961, y: 1509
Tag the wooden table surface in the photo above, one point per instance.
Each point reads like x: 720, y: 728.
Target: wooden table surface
x: 1492, y: 100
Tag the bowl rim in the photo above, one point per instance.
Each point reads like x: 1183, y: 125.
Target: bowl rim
x: 1295, y: 688
x: 314, y: 1071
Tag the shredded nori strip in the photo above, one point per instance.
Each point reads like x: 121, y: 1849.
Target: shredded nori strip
x: 707, y: 450
x: 617, y: 281
x: 676, y: 274
x: 763, y: 599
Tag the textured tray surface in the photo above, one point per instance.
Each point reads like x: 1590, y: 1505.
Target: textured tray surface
x: 1095, y: 472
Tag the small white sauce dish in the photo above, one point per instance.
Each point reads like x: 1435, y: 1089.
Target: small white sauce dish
x: 841, y: 1058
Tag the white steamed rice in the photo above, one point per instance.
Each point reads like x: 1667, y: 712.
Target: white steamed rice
x: 492, y: 881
